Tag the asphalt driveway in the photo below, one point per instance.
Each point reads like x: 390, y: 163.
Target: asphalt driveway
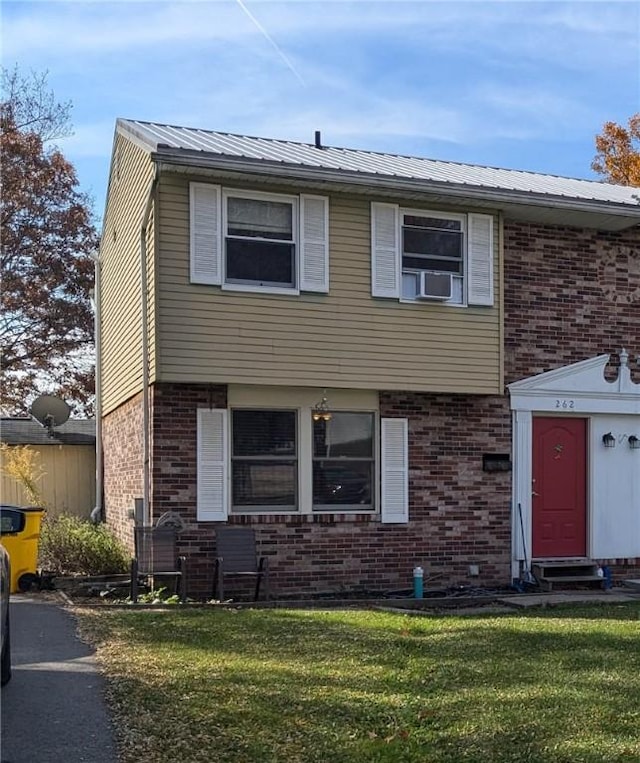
x: 53, y: 708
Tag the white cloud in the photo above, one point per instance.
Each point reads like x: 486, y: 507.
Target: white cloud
x: 65, y: 29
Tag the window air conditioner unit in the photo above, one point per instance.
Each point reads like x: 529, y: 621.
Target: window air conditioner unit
x: 434, y: 285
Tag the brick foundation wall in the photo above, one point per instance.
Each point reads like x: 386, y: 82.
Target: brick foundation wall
x: 122, y: 449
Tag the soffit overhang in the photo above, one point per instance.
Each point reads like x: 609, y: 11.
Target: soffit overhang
x: 514, y: 205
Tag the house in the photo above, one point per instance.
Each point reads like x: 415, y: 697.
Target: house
x: 66, y: 459
x: 376, y: 361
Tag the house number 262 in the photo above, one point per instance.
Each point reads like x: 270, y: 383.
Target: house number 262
x: 566, y: 404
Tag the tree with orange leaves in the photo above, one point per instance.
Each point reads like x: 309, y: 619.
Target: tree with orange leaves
x: 618, y: 157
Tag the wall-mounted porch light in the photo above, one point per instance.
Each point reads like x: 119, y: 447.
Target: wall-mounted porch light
x: 321, y: 410
x: 634, y: 442
x: 609, y: 440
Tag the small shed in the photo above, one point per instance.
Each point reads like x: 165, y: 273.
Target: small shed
x: 67, y: 459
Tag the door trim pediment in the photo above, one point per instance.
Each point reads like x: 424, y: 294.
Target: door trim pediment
x: 578, y: 388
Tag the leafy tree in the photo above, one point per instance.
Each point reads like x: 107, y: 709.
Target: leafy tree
x: 618, y: 157
x: 47, y: 235
x: 22, y: 464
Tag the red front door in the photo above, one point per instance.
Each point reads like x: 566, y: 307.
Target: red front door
x: 559, y: 487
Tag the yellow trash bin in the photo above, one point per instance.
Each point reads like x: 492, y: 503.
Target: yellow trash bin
x: 20, y: 531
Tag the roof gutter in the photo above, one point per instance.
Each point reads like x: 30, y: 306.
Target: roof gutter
x: 171, y: 161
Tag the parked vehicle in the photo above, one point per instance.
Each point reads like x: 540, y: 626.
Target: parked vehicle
x: 5, y: 640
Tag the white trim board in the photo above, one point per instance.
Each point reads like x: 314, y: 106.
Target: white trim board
x: 582, y: 383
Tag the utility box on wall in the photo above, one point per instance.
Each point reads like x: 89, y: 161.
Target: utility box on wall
x: 496, y: 462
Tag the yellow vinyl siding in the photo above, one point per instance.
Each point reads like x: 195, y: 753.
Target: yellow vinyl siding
x: 129, y: 183
x: 343, y: 339
x: 68, y: 484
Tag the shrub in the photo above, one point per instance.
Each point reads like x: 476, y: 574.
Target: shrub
x: 71, y: 545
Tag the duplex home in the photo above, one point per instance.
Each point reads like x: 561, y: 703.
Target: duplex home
x: 376, y: 361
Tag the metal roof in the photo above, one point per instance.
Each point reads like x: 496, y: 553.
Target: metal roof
x: 190, y: 142
x: 23, y: 431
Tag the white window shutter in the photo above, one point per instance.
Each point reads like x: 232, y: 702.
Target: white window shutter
x: 385, y: 251
x: 394, y: 470
x: 314, y: 243
x: 480, y: 257
x: 212, y: 465
x: 205, y: 208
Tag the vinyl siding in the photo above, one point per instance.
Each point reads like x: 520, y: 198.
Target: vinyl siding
x: 68, y: 482
x: 343, y: 339
x: 131, y: 175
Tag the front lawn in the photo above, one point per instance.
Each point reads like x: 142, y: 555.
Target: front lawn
x: 285, y: 686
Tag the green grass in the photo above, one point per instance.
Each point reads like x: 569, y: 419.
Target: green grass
x: 282, y: 686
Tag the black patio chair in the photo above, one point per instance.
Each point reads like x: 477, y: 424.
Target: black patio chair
x: 156, y: 558
x: 236, y: 556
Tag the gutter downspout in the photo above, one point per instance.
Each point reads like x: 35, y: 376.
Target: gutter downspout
x: 144, y: 292
x: 97, y: 513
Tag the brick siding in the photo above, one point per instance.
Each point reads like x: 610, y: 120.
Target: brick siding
x: 122, y: 448
x: 569, y: 295
x: 174, y: 470
x: 459, y: 514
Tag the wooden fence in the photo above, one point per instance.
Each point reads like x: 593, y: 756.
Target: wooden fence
x: 68, y: 484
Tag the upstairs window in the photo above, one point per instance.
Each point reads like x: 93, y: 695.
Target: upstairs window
x: 433, y: 257
x: 260, y: 241
x: 426, y: 256
x: 247, y: 240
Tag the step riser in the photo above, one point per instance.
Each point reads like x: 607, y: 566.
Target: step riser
x: 557, y: 573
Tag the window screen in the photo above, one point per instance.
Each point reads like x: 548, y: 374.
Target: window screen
x: 264, y: 462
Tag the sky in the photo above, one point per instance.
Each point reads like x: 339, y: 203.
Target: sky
x: 523, y: 85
